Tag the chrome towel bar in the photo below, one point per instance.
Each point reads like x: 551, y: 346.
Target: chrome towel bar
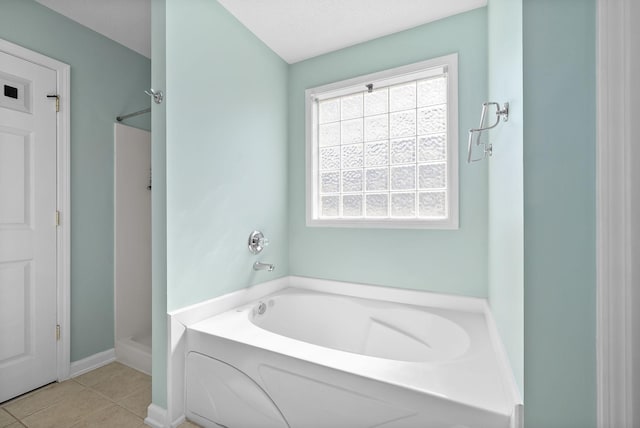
x: 487, y: 147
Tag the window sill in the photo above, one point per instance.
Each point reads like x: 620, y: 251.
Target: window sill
x: 395, y: 223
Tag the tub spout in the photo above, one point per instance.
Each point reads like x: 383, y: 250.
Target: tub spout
x: 263, y: 266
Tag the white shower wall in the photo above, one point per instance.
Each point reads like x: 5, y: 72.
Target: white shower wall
x: 132, y: 246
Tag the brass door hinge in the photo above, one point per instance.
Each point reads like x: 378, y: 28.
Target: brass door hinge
x: 57, y: 97
x: 58, y: 332
x: 57, y: 218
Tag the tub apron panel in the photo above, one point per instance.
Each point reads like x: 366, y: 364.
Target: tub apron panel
x: 223, y: 395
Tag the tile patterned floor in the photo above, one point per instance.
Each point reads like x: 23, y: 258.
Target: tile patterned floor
x: 113, y: 396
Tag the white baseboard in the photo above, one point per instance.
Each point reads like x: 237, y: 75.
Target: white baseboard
x: 178, y: 422
x: 134, y: 355
x: 517, y: 418
x: 156, y: 416
x: 91, y: 363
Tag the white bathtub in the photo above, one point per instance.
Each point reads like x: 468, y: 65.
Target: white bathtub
x: 300, y: 358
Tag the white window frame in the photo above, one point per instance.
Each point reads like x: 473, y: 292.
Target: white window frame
x: 385, y: 78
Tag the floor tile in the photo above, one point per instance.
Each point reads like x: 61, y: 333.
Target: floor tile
x: 111, y: 417
x: 112, y: 396
x: 115, y: 381
x: 68, y: 411
x: 138, y: 402
x: 6, y: 419
x: 41, y: 399
x: 121, y: 386
x: 188, y: 424
x: 103, y: 374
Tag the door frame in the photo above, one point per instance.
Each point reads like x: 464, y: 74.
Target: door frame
x: 63, y: 203
x: 614, y: 308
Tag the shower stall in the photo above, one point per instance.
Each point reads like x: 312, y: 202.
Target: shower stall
x: 132, y: 246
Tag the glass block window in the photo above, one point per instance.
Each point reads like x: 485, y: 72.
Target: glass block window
x: 382, y: 149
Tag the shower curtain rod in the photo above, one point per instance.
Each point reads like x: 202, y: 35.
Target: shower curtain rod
x: 136, y: 113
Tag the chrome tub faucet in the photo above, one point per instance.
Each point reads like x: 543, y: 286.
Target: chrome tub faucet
x: 263, y: 266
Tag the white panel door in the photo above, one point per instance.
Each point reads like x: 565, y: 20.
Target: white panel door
x: 27, y: 226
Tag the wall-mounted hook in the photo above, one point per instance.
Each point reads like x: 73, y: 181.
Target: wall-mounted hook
x: 157, y: 96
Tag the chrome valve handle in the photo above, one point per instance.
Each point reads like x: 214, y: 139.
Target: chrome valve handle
x: 257, y: 242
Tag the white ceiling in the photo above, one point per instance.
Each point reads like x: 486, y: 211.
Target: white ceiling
x: 128, y: 22
x: 301, y: 29
x: 294, y: 29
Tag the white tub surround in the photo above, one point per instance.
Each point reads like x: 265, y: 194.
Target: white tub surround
x: 135, y: 352
x: 177, y: 343
x: 132, y: 246
x: 284, y: 354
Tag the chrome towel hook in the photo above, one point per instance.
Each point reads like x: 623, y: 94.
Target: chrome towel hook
x: 157, y: 96
x: 488, y: 148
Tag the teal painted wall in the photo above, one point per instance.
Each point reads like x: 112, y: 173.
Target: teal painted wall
x: 436, y: 260
x: 506, y: 206
x: 159, y: 208
x: 558, y: 63
x: 559, y: 213
x: 226, y: 153
x: 107, y: 79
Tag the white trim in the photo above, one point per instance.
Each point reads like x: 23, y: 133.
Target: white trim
x: 156, y: 416
x: 63, y: 76
x: 430, y: 67
x: 511, y: 386
x: 417, y: 71
x: 613, y: 186
x: 134, y: 354
x: 92, y: 362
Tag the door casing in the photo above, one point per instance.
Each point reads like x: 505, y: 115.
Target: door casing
x: 614, y: 218
x: 63, y: 204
